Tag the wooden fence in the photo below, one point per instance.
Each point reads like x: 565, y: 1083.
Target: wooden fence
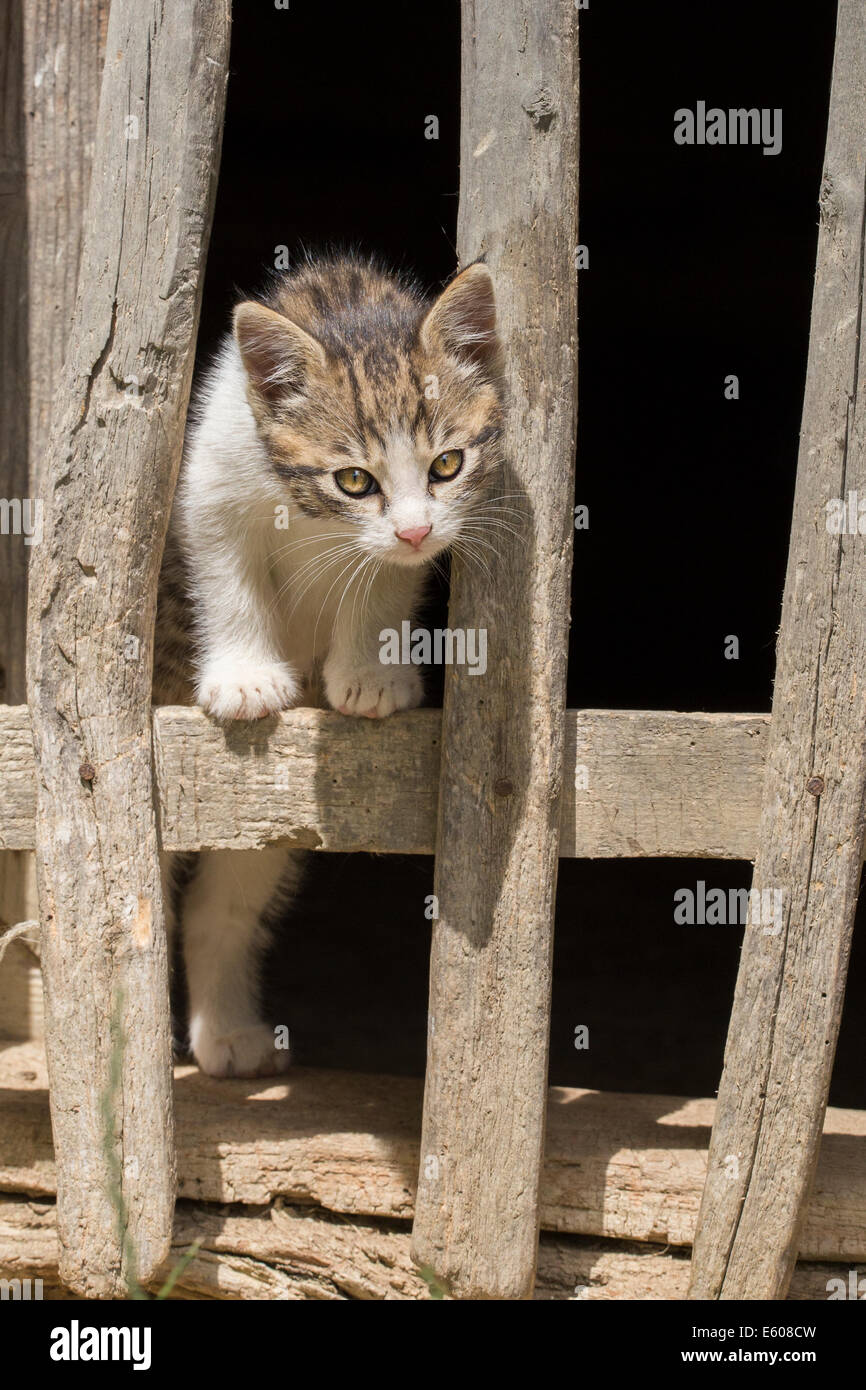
x: 94, y: 783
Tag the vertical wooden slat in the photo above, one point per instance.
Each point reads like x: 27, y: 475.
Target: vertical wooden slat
x: 114, y: 451
x: 17, y: 967
x: 791, y: 983
x: 63, y: 53
x: 498, y: 831
x: 13, y: 349
x: 52, y: 60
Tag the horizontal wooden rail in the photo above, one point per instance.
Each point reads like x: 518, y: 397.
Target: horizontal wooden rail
x: 290, y: 1253
x: 627, y: 1167
x: 637, y: 784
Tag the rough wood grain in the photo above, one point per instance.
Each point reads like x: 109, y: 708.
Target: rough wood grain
x: 623, y: 1166
x: 604, y: 1271
x: 114, y: 450
x: 13, y: 352
x: 277, y: 1253
x: 54, y: 56
x: 643, y: 783
x: 286, y: 1253
x: 651, y: 783
x: 309, y: 777
x: 503, y: 733
x: 64, y: 48
x: 790, y: 988
x: 17, y: 779
x: 16, y: 976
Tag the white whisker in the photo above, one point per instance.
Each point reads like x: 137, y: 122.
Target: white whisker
x: 331, y: 590
x: 359, y: 570
x: 317, y: 573
x: 298, y: 574
x: 465, y: 549
x: 306, y: 540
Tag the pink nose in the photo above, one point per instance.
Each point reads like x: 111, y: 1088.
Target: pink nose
x: 414, y: 534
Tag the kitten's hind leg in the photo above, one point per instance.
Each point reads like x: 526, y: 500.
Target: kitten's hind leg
x: 224, y: 938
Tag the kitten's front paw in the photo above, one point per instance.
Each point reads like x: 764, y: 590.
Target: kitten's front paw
x: 373, y: 692
x: 236, y: 689
x: 246, y: 1051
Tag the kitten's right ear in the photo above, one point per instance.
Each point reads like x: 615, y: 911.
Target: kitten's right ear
x: 276, y: 353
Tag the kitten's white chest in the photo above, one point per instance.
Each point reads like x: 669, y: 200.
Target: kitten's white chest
x: 321, y: 578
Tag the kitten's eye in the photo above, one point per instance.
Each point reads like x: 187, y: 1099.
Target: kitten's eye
x: 357, y: 482
x: 446, y: 466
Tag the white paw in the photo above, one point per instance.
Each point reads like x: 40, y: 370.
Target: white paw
x: 373, y: 691
x: 237, y: 689
x: 244, y: 1051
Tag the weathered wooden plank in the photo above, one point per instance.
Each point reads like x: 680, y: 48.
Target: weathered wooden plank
x: 64, y: 47
x: 16, y: 498
x: 503, y: 733
x: 114, y: 451
x: 287, y: 1253
x: 497, y: 843
x: 276, y: 1253
x: 13, y: 354
x: 640, y: 784
x: 311, y: 777
x: 57, y: 50
x: 617, y: 1166
x: 790, y: 988
x: 17, y: 779
x: 635, y: 784
x: 605, y: 1271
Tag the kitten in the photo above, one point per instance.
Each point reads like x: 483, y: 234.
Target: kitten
x: 346, y: 434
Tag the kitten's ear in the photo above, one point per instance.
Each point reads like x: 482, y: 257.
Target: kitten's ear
x: 463, y: 318
x: 276, y: 353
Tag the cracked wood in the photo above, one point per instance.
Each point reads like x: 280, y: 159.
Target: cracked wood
x: 790, y: 988
x: 635, y: 783
x: 503, y: 733
x: 114, y: 450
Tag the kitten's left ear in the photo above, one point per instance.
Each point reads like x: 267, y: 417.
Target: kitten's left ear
x: 463, y: 319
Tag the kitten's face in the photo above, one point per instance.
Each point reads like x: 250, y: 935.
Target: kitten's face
x: 382, y: 417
